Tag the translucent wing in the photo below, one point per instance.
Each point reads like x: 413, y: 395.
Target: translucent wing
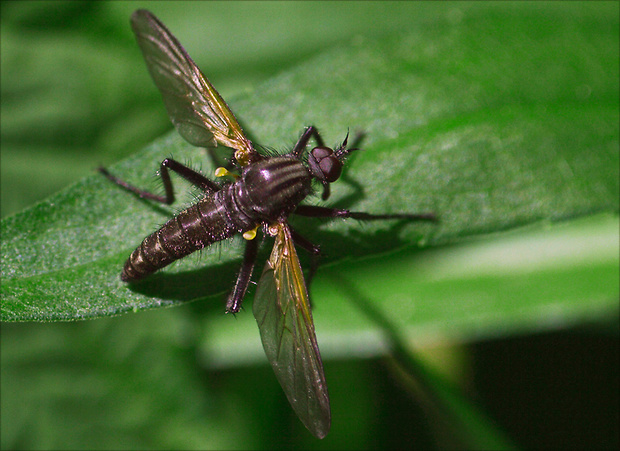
x: 283, y: 314
x: 196, y: 109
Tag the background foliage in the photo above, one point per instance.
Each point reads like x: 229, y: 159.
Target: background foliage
x: 495, y: 116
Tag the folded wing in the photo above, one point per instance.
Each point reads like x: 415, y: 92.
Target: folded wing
x: 284, y: 318
x: 196, y: 109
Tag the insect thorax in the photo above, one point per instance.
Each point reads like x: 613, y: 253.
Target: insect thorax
x: 271, y: 189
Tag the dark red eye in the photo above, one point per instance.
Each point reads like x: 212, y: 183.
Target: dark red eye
x: 324, y: 165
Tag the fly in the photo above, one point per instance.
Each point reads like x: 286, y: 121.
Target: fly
x: 264, y: 194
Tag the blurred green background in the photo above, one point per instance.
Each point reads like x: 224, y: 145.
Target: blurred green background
x: 76, y: 94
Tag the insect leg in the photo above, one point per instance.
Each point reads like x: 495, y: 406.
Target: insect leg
x: 195, y: 178
x: 187, y: 173
x: 233, y: 304
x: 323, y: 212
x: 313, y: 249
x: 305, y: 138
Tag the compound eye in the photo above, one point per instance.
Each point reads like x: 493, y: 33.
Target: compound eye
x: 324, y: 164
x: 331, y: 168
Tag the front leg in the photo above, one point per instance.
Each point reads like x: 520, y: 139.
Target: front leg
x: 310, y: 132
x: 324, y: 212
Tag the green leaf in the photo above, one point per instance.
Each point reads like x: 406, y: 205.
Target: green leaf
x: 460, y: 121
x: 501, y: 118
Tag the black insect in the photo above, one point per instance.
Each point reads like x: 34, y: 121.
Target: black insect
x: 268, y: 190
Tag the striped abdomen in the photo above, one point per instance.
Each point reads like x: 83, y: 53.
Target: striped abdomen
x: 266, y: 192
x: 198, y: 226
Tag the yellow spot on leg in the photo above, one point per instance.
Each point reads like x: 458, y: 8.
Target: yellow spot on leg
x: 250, y: 234
x: 223, y: 172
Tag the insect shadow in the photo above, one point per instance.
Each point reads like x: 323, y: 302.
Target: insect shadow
x: 213, y: 280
